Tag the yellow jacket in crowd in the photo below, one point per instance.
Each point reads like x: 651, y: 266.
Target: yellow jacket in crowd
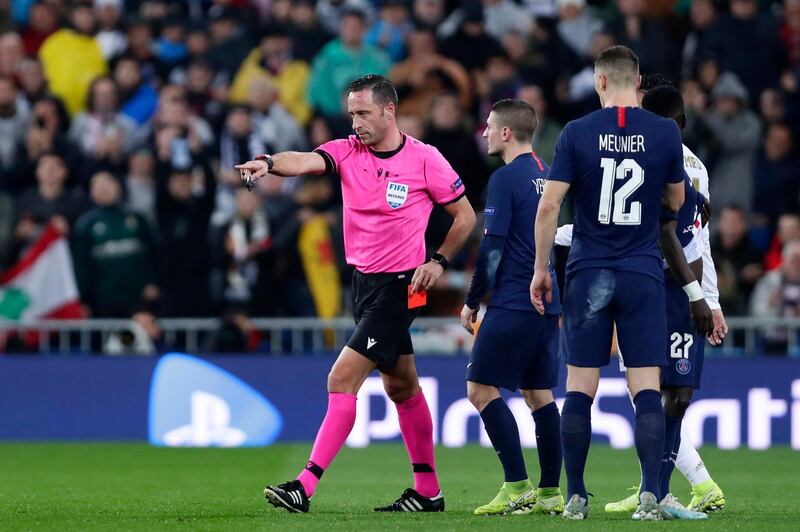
x: 71, y: 61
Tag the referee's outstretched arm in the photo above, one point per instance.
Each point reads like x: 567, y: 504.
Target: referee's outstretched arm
x: 288, y: 163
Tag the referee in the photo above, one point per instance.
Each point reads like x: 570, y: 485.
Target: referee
x: 390, y: 182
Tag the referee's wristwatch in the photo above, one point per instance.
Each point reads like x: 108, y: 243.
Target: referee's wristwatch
x: 440, y: 260
x: 268, y: 159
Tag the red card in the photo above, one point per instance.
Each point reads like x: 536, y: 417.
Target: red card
x: 418, y: 299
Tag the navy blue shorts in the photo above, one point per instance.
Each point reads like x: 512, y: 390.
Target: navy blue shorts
x: 515, y: 349
x: 595, y: 299
x: 684, y: 348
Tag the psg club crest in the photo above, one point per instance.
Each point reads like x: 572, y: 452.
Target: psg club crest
x: 683, y: 366
x: 396, y: 194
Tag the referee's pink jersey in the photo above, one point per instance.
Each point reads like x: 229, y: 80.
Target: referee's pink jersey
x: 387, y: 200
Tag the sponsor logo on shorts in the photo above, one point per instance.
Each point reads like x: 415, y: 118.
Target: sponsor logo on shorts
x: 488, y: 211
x: 683, y: 366
x: 371, y: 342
x: 396, y: 194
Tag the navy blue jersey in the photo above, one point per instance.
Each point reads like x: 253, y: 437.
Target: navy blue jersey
x: 618, y: 161
x: 511, y: 203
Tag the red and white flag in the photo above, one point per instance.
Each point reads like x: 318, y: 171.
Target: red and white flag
x: 42, y: 284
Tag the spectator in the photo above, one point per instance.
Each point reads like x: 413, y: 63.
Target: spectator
x: 72, y: 58
x: 32, y: 82
x: 278, y: 130
x: 738, y: 262
x: 114, y: 254
x: 544, y: 59
x: 331, y: 13
x: 470, y: 45
x: 734, y: 37
x: 102, y: 133
x: 341, y: 61
x: 238, y: 250
x: 229, y: 46
x: 577, y: 25
x: 13, y: 119
x: 139, y: 100
x: 238, y: 142
x: 184, y: 205
x: 426, y: 74
x: 175, y: 120
x: 47, y: 131
x: 140, y: 184
x: 772, y: 106
x: 273, y: 59
x: 448, y: 133
x: 308, y: 37
x: 788, y: 231
x: 498, y: 81
x: 11, y: 53
x: 171, y: 48
x: 645, y: 36
x: 284, y: 290
x: 776, y: 176
x: 49, y: 202
x: 42, y: 22
x: 500, y: 17
x: 702, y: 16
x: 142, y: 46
x: 110, y: 37
x: 735, y: 131
x: 204, y: 97
x: 789, y: 31
x: 547, y: 130
x: 428, y: 14
x: 390, y: 31
x: 777, y: 294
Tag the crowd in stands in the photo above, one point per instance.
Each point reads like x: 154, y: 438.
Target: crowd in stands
x: 121, y: 121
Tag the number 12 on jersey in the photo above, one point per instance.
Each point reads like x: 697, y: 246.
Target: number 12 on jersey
x: 633, y: 175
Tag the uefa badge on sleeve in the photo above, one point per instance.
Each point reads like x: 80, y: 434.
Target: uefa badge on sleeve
x: 396, y: 194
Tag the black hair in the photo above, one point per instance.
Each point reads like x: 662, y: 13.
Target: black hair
x: 666, y: 101
x: 383, y: 91
x: 650, y: 81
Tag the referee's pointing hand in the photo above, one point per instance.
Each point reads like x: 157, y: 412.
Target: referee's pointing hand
x: 426, y: 276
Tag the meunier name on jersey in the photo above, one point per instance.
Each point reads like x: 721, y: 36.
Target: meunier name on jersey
x: 622, y: 143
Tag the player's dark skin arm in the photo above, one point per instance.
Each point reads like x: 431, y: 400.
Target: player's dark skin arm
x: 673, y: 254
x: 463, y: 224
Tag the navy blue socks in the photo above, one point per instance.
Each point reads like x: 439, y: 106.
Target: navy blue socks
x: 548, y: 444
x: 504, y: 434
x: 576, y: 436
x: 649, y: 438
x: 672, y: 442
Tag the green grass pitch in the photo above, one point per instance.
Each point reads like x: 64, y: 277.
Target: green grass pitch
x: 136, y: 487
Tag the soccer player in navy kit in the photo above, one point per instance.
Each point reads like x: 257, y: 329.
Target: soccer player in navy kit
x: 620, y: 162
x: 515, y: 346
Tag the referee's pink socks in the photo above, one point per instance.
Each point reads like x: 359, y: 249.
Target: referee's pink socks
x: 338, y: 422
x: 416, y: 426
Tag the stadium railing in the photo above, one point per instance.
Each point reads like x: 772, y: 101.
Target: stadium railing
x: 748, y: 336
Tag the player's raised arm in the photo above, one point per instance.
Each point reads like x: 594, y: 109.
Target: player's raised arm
x: 544, y: 235
x: 288, y: 163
